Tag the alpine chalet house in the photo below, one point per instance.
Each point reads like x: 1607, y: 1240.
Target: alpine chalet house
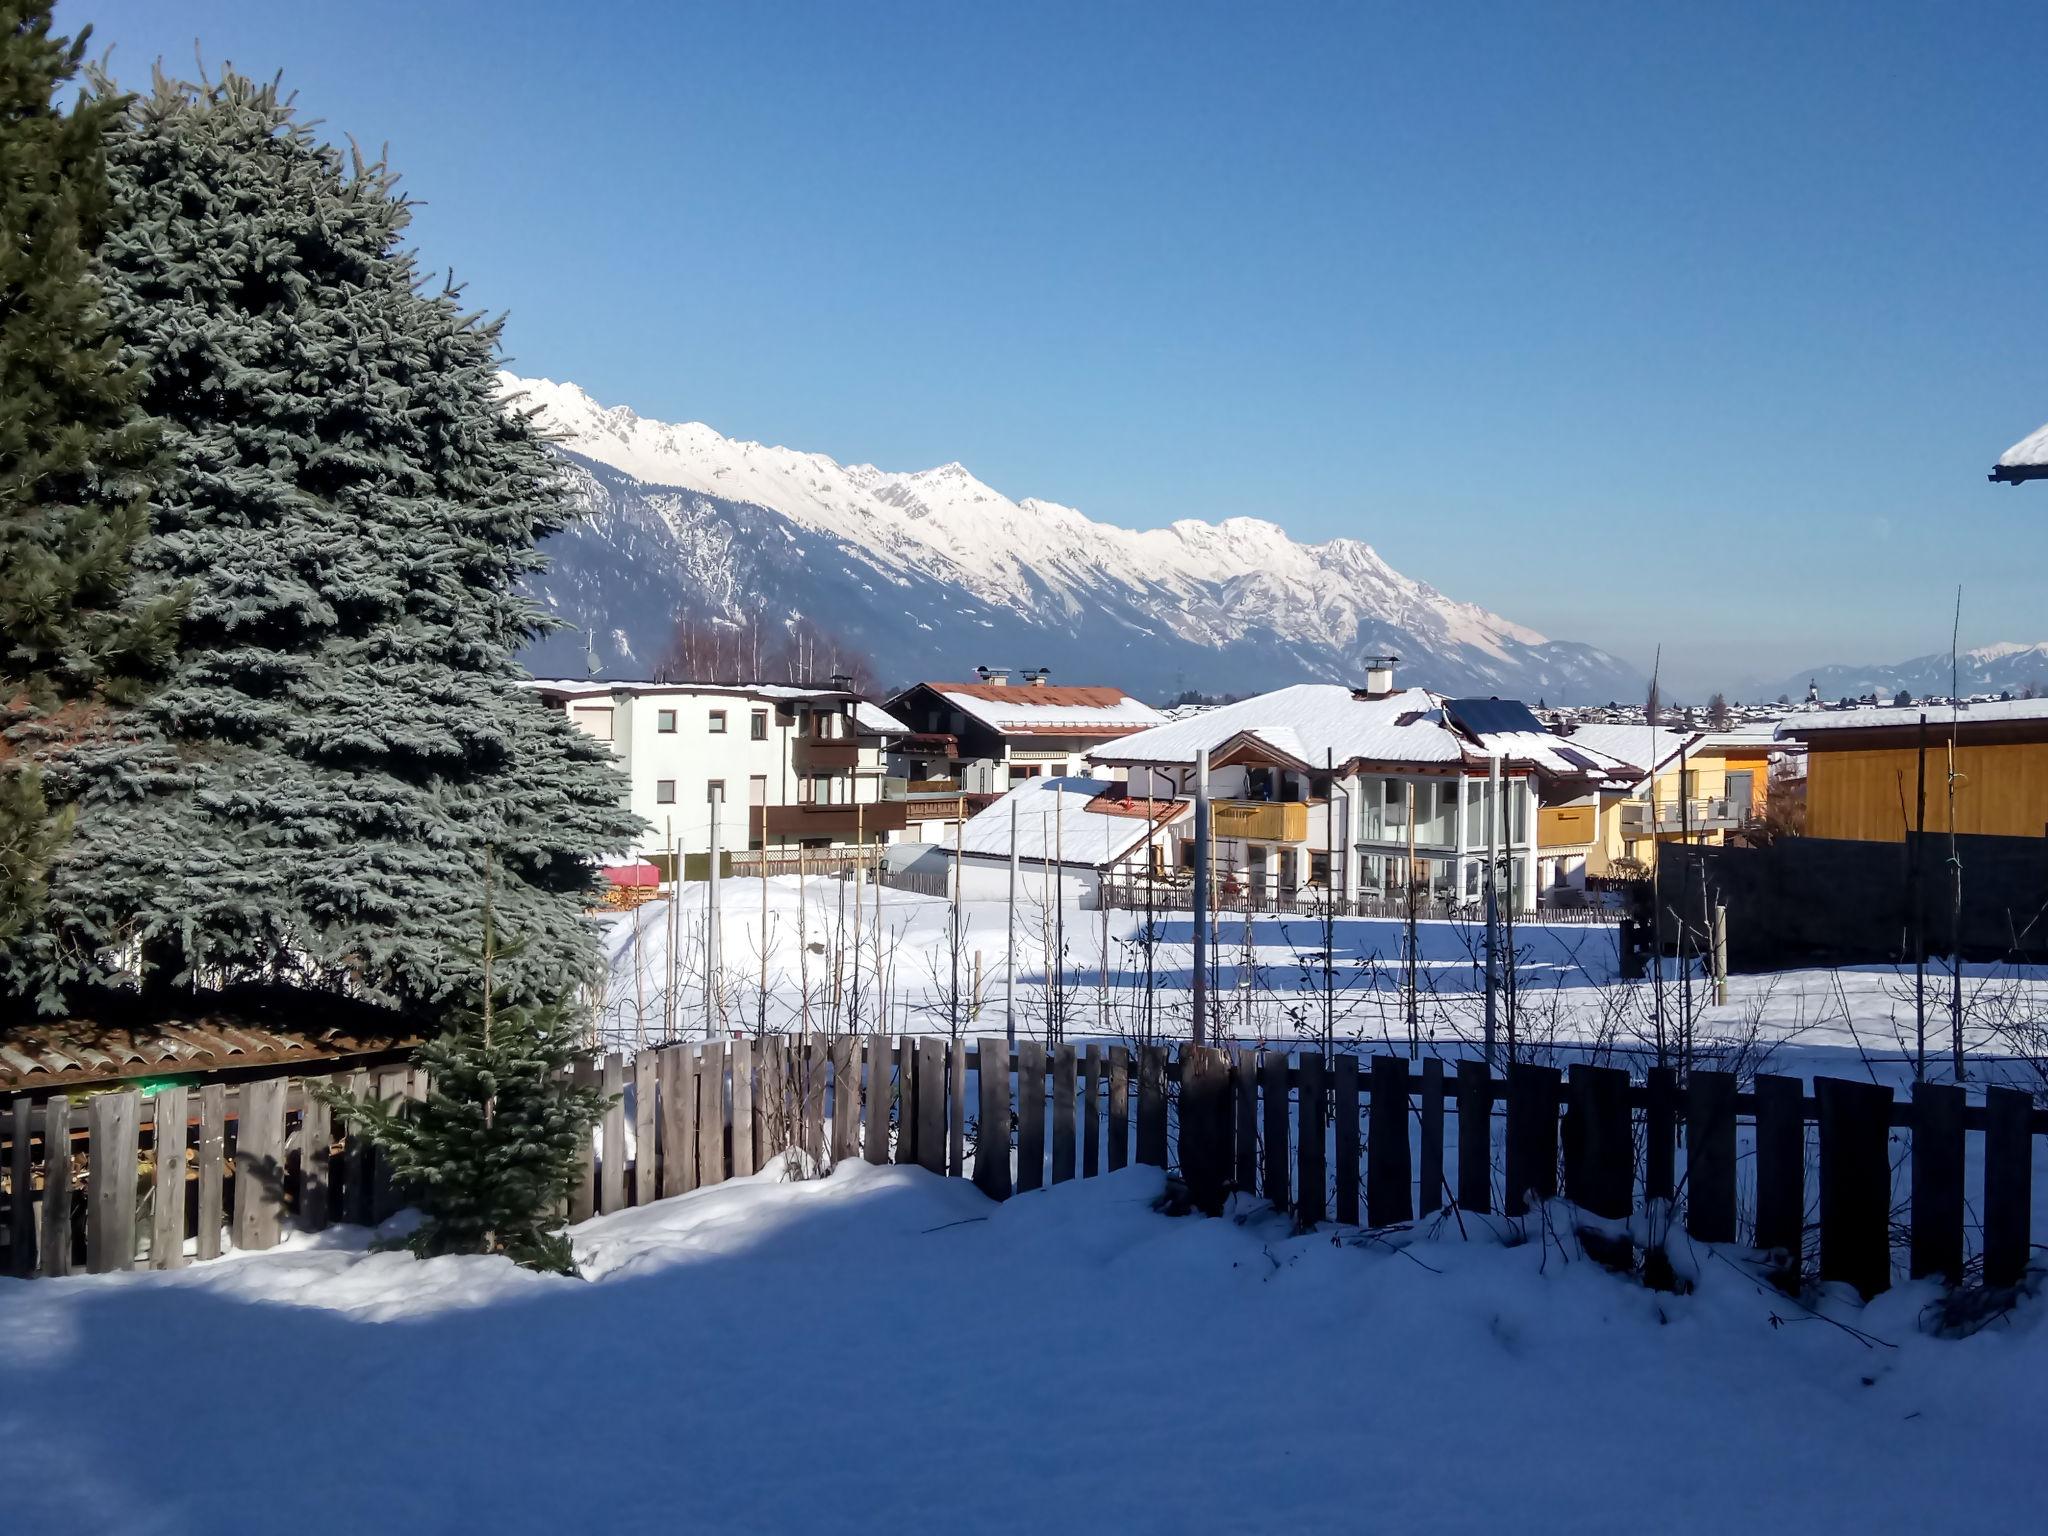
x: 2026, y: 459
x: 965, y: 743
x: 1321, y: 788
x: 1689, y: 786
x: 786, y: 767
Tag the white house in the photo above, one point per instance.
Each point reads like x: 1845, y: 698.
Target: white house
x: 786, y: 767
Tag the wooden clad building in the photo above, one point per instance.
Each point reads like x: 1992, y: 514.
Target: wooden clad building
x: 1863, y: 770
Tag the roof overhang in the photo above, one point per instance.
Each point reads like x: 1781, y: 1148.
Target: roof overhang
x: 2013, y: 474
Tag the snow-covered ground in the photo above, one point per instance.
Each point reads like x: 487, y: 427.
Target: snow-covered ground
x: 886, y: 1350
x: 777, y: 973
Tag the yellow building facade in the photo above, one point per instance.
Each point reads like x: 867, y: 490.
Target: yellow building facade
x: 1862, y: 781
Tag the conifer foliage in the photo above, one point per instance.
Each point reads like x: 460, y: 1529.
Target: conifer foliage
x: 343, y: 732
x: 494, y: 1149
x: 75, y: 451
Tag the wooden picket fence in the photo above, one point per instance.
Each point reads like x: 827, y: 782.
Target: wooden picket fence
x: 1357, y: 1141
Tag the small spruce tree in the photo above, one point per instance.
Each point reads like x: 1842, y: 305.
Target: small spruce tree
x: 495, y: 1147
x: 77, y: 633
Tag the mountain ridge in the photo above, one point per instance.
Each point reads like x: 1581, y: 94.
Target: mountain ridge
x: 2004, y: 666
x: 1218, y: 606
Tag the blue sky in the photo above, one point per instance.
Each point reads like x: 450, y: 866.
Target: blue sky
x: 1693, y: 325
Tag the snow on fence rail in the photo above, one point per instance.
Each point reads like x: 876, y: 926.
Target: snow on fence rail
x: 1262, y: 1123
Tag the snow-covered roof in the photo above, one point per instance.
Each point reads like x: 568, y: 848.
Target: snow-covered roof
x: 1084, y: 821
x: 877, y: 721
x: 1647, y: 747
x: 871, y: 718
x: 1991, y: 712
x: 2029, y: 451
x: 1314, y: 723
x: 1037, y: 707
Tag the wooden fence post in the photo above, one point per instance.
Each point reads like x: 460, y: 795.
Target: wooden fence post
x: 1278, y: 1121
x: 1205, y: 1126
x: 111, y: 1161
x: 1937, y: 1247
x: 56, y: 1244
x: 931, y: 1104
x: 316, y: 1157
x: 21, y: 1210
x: 1710, y: 1156
x: 1475, y: 1136
x: 611, y: 1168
x: 844, y: 1054
x: 1600, y: 1150
x: 875, y: 1103
x: 956, y: 1108
x: 1344, y: 1107
x: 1091, y: 1113
x: 1388, y: 1182
x: 213, y: 1139
x: 1311, y: 1187
x: 167, y: 1197
x: 1855, y: 1183
x: 646, y: 1119
x: 711, y: 1113
x: 355, y: 1163
x: 1532, y: 1136
x: 1152, y: 1145
x: 259, y: 1163
x: 992, y: 1136
x: 391, y: 1085
x: 1244, y: 1096
x: 906, y: 1101
x: 741, y: 1052
x: 2008, y: 1184
x: 1063, y: 1083
x: 1781, y: 1169
x: 1430, y: 1172
x: 676, y: 1093
x: 1030, y: 1115
x: 816, y: 1055
x: 1119, y: 1107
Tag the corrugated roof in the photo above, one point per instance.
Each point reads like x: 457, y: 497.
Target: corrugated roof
x: 39, y: 1055
x: 1991, y: 712
x: 1033, y: 708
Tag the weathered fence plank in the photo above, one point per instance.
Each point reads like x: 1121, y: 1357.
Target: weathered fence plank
x: 21, y: 1210
x: 1937, y: 1246
x: 711, y: 1113
x: 1532, y: 1137
x: 259, y: 1163
x: 678, y: 1092
x: 2008, y: 1184
x: 611, y: 1168
x: 741, y: 1052
x: 845, y: 1058
x: 1388, y: 1182
x: 1710, y: 1156
x: 816, y: 1057
x: 1344, y: 1102
x: 1475, y: 1136
x: 992, y: 1134
x: 1091, y: 1113
x: 1030, y: 1115
x: 1855, y: 1183
x: 906, y: 1101
x: 875, y: 1101
x: 931, y: 1104
x: 1429, y: 1178
x: 56, y: 1243
x: 167, y: 1191
x: 355, y: 1160
x: 1781, y: 1168
x: 956, y: 1108
x: 1279, y: 1161
x: 1660, y: 1134
x: 316, y: 1159
x: 1205, y: 1126
x: 1600, y: 1154
x: 111, y: 1157
x: 1063, y: 1084
x: 392, y: 1084
x: 1152, y: 1147
x: 1244, y: 1114
x: 213, y: 1141
x: 646, y: 1136
x: 1119, y: 1107
x: 1311, y: 1190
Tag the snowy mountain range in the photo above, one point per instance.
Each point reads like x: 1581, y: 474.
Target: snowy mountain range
x: 2007, y: 667
x: 933, y: 572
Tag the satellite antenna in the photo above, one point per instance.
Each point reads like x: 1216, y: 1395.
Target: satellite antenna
x: 591, y: 665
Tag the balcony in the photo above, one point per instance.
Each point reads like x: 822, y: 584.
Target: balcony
x: 833, y: 823
x: 1262, y: 821
x: 1641, y: 819
x: 1566, y: 826
x: 811, y: 754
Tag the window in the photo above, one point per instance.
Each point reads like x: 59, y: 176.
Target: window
x: 664, y: 791
x: 593, y: 721
x: 1319, y: 870
x: 665, y: 721
x: 718, y: 722
x: 759, y: 731
x: 757, y: 789
x: 715, y: 791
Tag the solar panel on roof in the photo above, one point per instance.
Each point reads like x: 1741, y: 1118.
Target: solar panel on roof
x: 1577, y: 759
x: 1490, y: 717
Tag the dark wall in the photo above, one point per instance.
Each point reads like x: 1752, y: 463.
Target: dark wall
x: 1823, y: 901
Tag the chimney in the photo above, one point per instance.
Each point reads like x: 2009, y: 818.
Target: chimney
x: 1036, y: 676
x: 1379, y: 677
x: 1000, y: 676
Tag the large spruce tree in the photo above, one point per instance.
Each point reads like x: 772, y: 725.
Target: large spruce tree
x: 343, y: 740
x: 76, y: 631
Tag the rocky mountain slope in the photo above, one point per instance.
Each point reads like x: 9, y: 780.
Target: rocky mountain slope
x: 2007, y: 667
